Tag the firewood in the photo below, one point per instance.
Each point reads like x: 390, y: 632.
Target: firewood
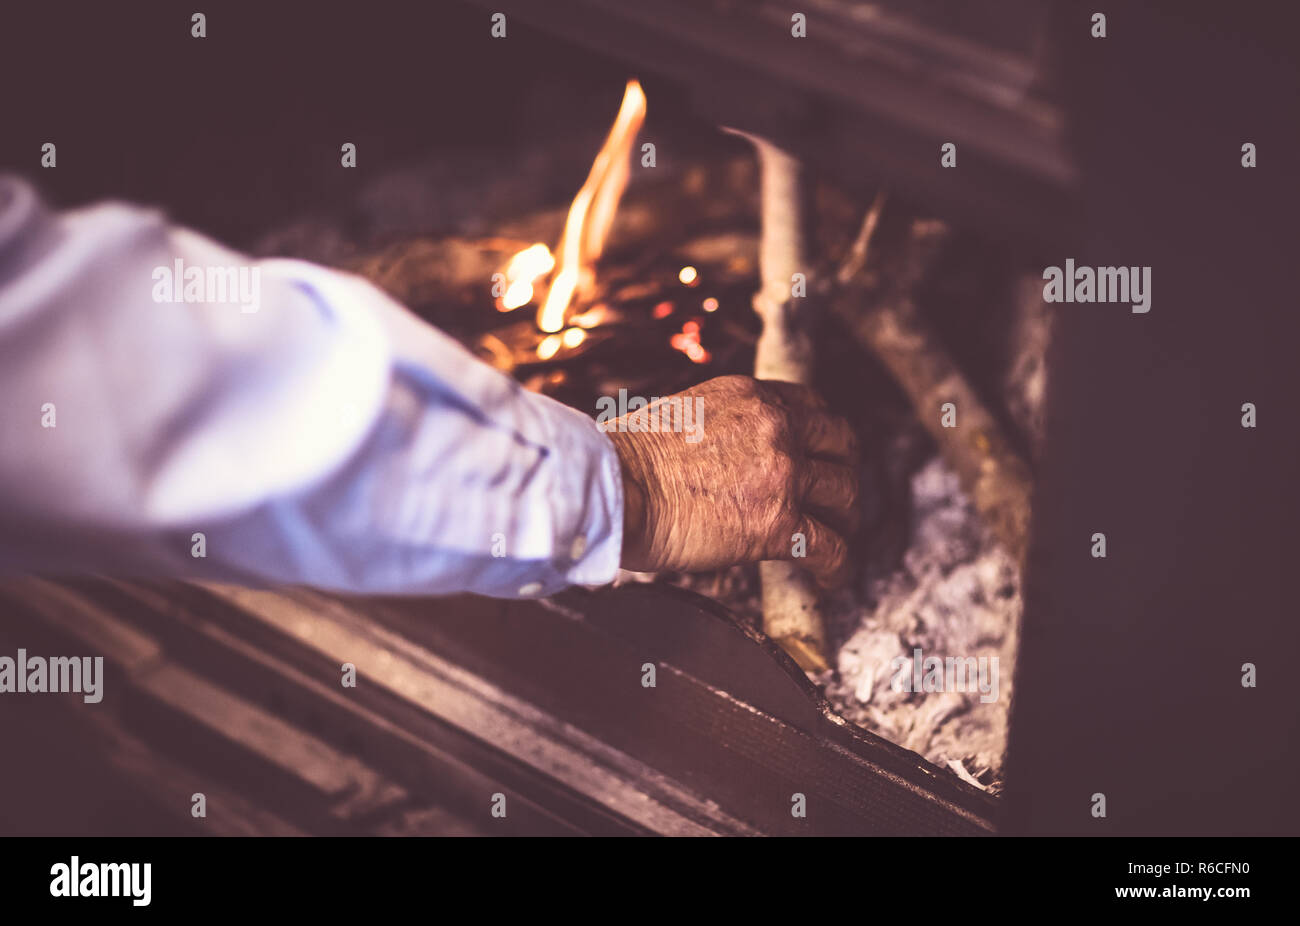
x: 791, y: 610
x: 970, y: 438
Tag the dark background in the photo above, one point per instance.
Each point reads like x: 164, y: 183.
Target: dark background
x: 1130, y: 667
x: 244, y: 126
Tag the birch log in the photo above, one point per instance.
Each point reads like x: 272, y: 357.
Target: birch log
x: 791, y: 614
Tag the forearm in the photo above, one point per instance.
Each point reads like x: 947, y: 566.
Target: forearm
x: 326, y: 438
x: 480, y: 486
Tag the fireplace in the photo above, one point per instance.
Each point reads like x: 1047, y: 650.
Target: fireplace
x: 593, y: 211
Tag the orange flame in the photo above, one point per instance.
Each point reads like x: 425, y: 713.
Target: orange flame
x: 524, y: 269
x: 590, y: 217
x: 592, y: 211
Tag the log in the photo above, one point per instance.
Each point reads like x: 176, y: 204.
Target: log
x: 791, y: 611
x: 891, y: 327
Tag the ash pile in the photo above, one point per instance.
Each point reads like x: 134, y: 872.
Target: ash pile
x: 928, y: 658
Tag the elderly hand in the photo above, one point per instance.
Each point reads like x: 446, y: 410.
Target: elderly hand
x: 766, y: 463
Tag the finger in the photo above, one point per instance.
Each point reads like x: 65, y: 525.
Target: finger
x: 827, y: 435
x: 844, y: 521
x: 832, y: 486
x: 818, y: 549
x: 818, y: 430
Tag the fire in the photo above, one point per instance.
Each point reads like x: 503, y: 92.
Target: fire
x: 524, y: 269
x: 592, y: 317
x: 549, y: 347
x: 585, y: 229
x: 551, y: 344
x: 592, y: 210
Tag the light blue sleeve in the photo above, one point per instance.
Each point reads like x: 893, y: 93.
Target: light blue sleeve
x: 169, y: 407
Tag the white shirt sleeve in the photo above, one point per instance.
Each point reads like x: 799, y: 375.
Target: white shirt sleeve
x: 155, y: 387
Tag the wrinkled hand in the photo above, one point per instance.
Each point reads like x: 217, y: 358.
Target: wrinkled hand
x: 768, y: 462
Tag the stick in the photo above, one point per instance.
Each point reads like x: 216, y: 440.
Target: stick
x: 791, y: 615
x: 892, y: 328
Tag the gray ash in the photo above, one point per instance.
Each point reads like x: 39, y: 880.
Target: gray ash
x: 955, y: 594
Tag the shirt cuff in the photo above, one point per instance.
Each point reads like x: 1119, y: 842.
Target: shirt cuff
x: 588, y: 472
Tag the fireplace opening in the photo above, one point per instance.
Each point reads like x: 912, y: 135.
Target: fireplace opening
x: 642, y: 283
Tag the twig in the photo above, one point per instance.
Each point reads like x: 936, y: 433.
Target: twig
x: 857, y: 256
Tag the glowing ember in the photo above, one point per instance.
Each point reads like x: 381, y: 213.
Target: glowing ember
x: 549, y: 347
x: 710, y: 304
x: 689, y: 276
x: 522, y: 272
x: 592, y: 211
x: 572, y: 337
x: 592, y: 317
x: 688, y: 342
x: 662, y: 310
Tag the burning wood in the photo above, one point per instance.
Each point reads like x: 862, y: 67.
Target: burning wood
x: 585, y: 230
x: 524, y: 269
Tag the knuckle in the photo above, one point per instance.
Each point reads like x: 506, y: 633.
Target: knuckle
x: 743, y: 386
x: 831, y: 546
x: 784, y: 473
x: 773, y: 536
x: 771, y: 427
